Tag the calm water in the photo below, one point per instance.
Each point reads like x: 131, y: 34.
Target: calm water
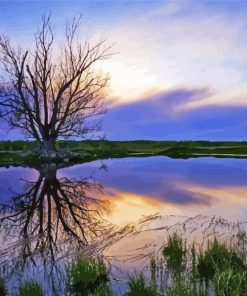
x: 50, y: 215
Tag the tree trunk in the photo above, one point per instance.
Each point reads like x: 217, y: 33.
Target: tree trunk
x: 47, y: 149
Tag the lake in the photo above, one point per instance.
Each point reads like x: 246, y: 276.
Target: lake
x: 121, y: 208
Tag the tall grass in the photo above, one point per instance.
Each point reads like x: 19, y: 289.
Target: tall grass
x: 217, y: 258
x: 88, y: 276
x: 30, y: 288
x: 175, y: 253
x: 185, y: 271
x: 230, y: 283
x: 178, y: 269
x: 181, y: 287
x: 138, y: 286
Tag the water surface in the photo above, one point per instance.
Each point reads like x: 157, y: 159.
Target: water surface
x: 50, y: 215
x: 140, y: 186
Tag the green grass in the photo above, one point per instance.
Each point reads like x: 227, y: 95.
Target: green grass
x: 23, y: 152
x: 18, y: 145
x: 217, y: 258
x: 181, y: 287
x: 178, y: 270
x: 88, y: 276
x: 139, y: 146
x: 183, y: 270
x: 138, y: 286
x: 170, y: 148
x: 30, y: 288
x: 229, y: 282
x: 175, y: 253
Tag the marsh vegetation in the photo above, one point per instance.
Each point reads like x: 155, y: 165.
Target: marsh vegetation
x: 178, y: 269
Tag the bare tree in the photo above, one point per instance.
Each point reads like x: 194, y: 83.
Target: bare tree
x: 48, y: 94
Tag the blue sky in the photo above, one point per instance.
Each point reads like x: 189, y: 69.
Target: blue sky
x: 181, y: 67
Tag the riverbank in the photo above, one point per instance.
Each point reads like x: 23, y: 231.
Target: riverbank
x: 24, y: 152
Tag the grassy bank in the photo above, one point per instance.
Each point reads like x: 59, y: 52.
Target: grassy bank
x: 23, y: 152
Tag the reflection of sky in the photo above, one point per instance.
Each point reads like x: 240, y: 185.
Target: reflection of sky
x: 143, y: 186
x: 13, y: 180
x: 172, y: 186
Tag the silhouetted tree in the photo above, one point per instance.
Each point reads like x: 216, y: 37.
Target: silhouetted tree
x: 50, y: 94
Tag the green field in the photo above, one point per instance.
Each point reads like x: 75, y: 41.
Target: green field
x: 23, y: 152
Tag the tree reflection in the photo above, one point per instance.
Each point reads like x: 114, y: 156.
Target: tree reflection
x: 53, y: 215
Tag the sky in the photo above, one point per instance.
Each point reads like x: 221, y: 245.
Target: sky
x: 179, y: 71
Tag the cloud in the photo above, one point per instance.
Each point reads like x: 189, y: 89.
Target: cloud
x: 157, y: 118
x: 160, y: 46
x: 181, y: 45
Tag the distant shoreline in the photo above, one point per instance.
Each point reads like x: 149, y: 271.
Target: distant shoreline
x: 24, y: 152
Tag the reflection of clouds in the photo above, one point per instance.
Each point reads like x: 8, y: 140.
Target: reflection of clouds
x: 229, y: 202
x: 228, y: 194
x: 141, y: 186
x: 127, y: 207
x: 185, y: 196
x: 184, y: 199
